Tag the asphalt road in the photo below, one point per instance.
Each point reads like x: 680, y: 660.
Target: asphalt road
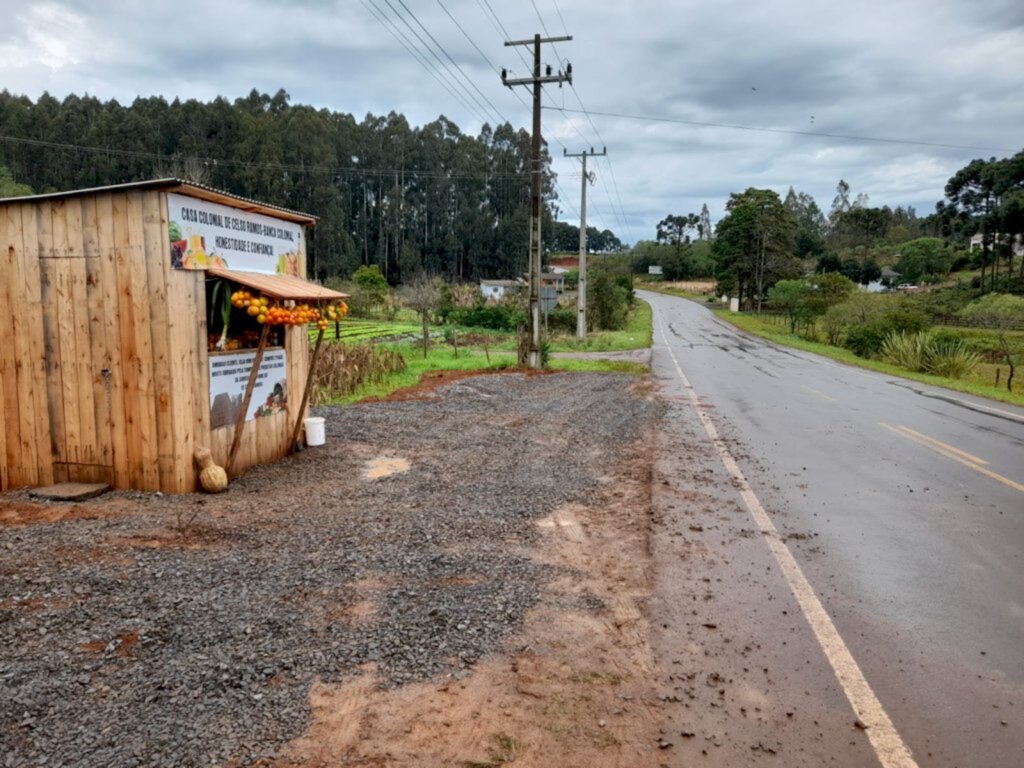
x: 902, y: 506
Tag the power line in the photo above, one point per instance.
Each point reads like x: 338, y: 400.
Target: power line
x: 787, y: 131
x: 485, y: 6
x: 562, y: 197
x: 620, y: 213
x: 617, y: 213
x: 402, y: 38
x: 444, y: 66
x: 482, y: 54
x: 501, y: 28
x: 466, y: 35
x: 543, y: 25
x: 559, y: 12
x: 454, y: 63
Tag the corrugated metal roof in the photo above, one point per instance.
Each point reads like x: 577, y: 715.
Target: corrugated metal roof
x: 278, y: 286
x: 177, y: 185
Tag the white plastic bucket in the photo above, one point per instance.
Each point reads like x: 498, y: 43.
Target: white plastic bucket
x: 315, y: 433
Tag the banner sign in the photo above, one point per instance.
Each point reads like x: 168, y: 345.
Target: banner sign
x: 230, y: 373
x: 204, y: 234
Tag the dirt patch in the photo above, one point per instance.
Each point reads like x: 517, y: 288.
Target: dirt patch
x: 574, y: 687
x: 191, y: 536
x: 427, y: 387
x: 123, y: 645
x: 385, y: 466
x: 18, y: 513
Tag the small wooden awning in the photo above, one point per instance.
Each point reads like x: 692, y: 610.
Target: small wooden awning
x: 278, y: 286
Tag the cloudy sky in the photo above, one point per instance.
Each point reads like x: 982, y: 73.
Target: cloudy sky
x: 708, y: 78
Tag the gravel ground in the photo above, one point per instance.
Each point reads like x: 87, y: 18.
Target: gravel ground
x: 124, y: 642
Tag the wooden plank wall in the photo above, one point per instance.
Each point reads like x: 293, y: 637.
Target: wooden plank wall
x: 27, y: 458
x: 106, y: 377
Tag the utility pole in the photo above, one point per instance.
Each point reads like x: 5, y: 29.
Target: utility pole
x: 538, y: 79
x: 581, y: 296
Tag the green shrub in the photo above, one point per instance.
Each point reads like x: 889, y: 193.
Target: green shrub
x: 497, y: 317
x: 608, y: 300
x: 562, y: 319
x: 864, y: 340
x: 906, y: 320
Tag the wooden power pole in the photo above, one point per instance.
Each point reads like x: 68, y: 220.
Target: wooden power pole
x: 537, y: 80
x: 581, y: 296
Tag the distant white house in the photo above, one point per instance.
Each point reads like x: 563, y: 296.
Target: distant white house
x: 495, y: 289
x: 1018, y: 242
x: 889, y: 277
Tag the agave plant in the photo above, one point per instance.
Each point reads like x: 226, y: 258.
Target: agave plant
x: 941, y: 355
x: 907, y: 350
x: 950, y: 358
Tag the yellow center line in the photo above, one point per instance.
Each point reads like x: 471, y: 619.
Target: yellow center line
x: 945, y: 446
x: 822, y: 395
x: 927, y: 442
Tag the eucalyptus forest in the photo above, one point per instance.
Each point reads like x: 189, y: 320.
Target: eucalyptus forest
x: 432, y: 199
x: 407, y: 199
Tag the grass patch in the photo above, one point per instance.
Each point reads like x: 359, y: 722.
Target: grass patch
x: 977, y: 384
x: 597, y: 366
x: 637, y: 334
x: 439, y: 358
x: 479, y: 350
x: 442, y: 358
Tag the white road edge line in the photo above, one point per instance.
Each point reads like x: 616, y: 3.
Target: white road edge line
x: 889, y: 746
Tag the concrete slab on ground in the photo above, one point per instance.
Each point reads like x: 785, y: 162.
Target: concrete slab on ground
x: 70, y: 491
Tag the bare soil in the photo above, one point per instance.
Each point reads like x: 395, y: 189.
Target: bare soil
x: 459, y: 577
x: 571, y: 688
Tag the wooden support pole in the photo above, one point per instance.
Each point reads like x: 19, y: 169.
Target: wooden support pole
x: 240, y: 421
x: 535, y: 356
x: 306, y: 391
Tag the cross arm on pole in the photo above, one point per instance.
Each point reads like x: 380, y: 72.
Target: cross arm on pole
x: 533, y: 40
x: 559, y: 78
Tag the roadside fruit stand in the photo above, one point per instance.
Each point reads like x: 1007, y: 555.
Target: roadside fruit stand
x: 149, y: 321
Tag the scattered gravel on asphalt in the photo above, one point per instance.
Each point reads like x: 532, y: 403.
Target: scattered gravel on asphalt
x: 124, y: 642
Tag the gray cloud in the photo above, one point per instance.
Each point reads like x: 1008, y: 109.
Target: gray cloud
x: 943, y: 71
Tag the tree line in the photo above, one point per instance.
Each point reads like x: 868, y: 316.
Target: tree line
x: 407, y: 199
x: 764, y: 238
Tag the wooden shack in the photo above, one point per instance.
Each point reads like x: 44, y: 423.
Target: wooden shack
x: 116, y: 363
